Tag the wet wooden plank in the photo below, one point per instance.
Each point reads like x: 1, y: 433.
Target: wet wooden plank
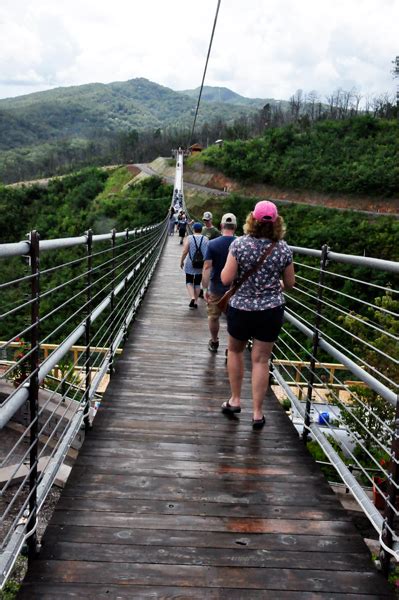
x: 170, y: 499
x: 159, y: 488
x: 156, y: 448
x: 219, y: 509
x: 198, y: 469
x: 351, y: 543
x: 129, y: 592
x: 110, y: 573
x: 231, y: 557
x: 202, y: 523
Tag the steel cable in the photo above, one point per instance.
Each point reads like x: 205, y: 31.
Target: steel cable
x: 204, y: 74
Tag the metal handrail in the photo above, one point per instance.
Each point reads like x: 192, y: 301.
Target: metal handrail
x: 106, y: 315
x: 321, y: 307
x: 349, y: 259
x: 23, y: 248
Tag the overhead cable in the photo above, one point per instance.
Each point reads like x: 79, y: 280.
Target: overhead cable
x: 203, y: 77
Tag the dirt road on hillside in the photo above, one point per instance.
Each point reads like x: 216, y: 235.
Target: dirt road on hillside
x: 368, y: 206
x: 201, y: 188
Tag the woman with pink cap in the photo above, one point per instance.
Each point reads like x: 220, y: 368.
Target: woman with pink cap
x: 256, y: 310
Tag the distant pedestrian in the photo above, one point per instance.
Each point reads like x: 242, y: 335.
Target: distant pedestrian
x: 256, y: 310
x: 209, y: 229
x: 192, y: 244
x: 182, y: 226
x: 215, y: 258
x: 172, y: 220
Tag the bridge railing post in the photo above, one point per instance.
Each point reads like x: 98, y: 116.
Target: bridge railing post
x: 126, y: 287
x: 89, y: 282
x: 112, y: 303
x: 315, y: 344
x: 390, y: 502
x: 34, y: 258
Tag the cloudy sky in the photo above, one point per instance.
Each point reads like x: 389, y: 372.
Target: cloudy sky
x: 262, y: 48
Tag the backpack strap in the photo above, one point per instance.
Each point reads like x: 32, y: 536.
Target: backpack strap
x: 196, y: 248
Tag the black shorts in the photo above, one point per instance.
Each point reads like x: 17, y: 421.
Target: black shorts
x: 262, y: 325
x: 194, y: 279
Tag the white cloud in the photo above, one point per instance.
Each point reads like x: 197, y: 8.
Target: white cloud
x: 265, y: 48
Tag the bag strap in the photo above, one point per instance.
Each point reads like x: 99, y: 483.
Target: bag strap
x: 196, y: 247
x: 255, y: 268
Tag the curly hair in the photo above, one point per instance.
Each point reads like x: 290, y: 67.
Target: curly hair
x: 259, y: 229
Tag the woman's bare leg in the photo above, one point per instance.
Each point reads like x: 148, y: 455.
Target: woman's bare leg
x: 261, y: 352
x: 235, y: 367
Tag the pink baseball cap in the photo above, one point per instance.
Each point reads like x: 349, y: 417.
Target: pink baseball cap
x: 265, y: 211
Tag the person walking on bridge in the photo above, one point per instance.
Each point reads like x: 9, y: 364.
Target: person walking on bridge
x: 211, y: 233
x: 209, y: 229
x: 215, y: 258
x: 182, y: 223
x: 256, y: 310
x: 190, y: 262
x: 172, y: 220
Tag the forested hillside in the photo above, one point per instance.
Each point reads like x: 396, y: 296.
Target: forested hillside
x: 57, y: 131
x: 91, y: 198
x: 82, y: 111
x: 311, y: 227
x: 359, y: 155
x: 65, y: 129
x: 222, y: 94
x: 68, y: 207
x: 101, y: 200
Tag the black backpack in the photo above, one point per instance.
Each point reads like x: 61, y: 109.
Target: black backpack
x: 197, y: 258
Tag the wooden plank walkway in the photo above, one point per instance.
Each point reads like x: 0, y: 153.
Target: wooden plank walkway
x: 171, y: 499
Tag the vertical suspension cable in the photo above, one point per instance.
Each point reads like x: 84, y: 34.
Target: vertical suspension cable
x: 203, y: 77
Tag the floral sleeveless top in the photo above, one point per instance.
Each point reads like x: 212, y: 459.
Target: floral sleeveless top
x: 262, y: 290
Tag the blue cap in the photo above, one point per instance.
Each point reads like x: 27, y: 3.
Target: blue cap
x: 197, y: 227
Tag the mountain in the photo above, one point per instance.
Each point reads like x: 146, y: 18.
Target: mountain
x: 83, y: 111
x: 224, y: 95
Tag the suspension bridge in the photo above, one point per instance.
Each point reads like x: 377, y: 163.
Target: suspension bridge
x: 168, y: 497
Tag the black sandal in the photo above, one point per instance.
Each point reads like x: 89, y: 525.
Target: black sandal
x: 227, y: 409
x: 258, y: 423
